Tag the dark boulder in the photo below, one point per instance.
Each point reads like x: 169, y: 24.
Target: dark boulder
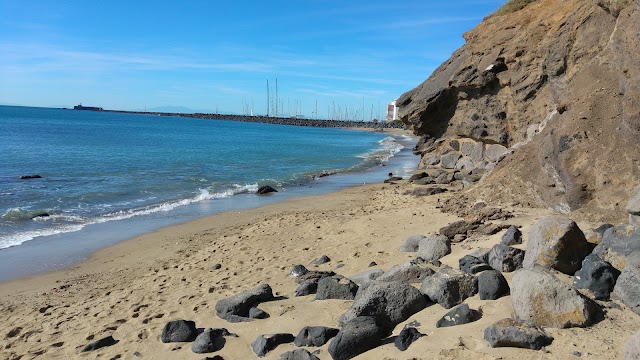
x: 512, y: 236
x: 336, y: 287
x: 406, y: 337
x: 492, y: 285
x: 315, y: 335
x: 179, y: 331
x: 389, y: 302
x: 255, y: 313
x: 596, y: 275
x: 27, y: 177
x: 265, y: 343
x: 357, y: 336
x: 298, y: 354
x: 461, y: 314
x: 208, y: 341
x: 418, y: 176
x: 512, y: 333
x: 472, y: 265
x: 506, y: 258
x: 426, y: 191
x: 449, y: 287
x: 104, y: 342
x: 266, y: 189
x: 239, y: 305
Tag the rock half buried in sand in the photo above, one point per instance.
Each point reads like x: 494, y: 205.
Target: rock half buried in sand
x: 406, y: 337
x: 336, y: 287
x: 389, y: 302
x: 298, y: 354
x: 492, y: 285
x: 298, y: 270
x: 179, y: 331
x: 356, y: 337
x: 556, y: 242
x: 627, y: 286
x: 315, y: 335
x: 461, y: 314
x: 408, y: 272
x: 266, y: 189
x: 239, y: 305
x: 542, y: 299
x: 434, y: 247
x: 105, y: 341
x: 411, y: 243
x: 265, y: 343
x: 449, y: 287
x: 596, y: 275
x: 458, y: 227
x: 321, y: 260
x: 208, y: 341
x: 512, y: 333
x: 505, y: 258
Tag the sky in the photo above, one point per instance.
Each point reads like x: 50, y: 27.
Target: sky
x: 348, y: 57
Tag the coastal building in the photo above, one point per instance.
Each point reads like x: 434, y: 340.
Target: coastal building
x: 392, y: 111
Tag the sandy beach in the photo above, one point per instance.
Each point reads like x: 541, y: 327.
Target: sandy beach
x: 131, y: 290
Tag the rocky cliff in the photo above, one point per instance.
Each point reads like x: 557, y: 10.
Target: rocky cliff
x: 552, y: 92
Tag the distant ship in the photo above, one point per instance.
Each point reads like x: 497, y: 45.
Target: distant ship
x: 92, y: 108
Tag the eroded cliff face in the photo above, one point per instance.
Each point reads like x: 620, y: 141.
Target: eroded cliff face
x: 558, y: 83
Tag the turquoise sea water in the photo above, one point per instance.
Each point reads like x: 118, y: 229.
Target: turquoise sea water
x: 100, y: 168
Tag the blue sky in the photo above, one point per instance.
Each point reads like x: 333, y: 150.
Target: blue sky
x: 208, y: 55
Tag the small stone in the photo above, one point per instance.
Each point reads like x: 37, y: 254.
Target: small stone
x: 265, y: 343
x: 321, y: 260
x: 459, y: 315
x: 216, y: 266
x: 315, y: 336
x: 105, y: 341
x: 208, y: 341
x: 492, y: 285
x: 179, y: 331
x: 298, y: 270
x: 266, y: 189
x: 406, y: 337
x: 373, y: 263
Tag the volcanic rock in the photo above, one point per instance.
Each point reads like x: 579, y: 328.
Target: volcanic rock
x: 266, y: 189
x: 506, y: 258
x: 265, y: 343
x: 540, y: 298
x: 492, y: 285
x: 512, y: 333
x: 459, y: 315
x: 240, y: 304
x: 556, y: 242
x: 596, y: 275
x: 433, y: 247
x: 336, y: 287
x: 627, y: 286
x: 315, y: 335
x: 449, y: 287
x: 406, y: 337
x: 105, y: 341
x: 179, y: 331
x: 512, y: 236
x: 408, y: 272
x: 357, y: 336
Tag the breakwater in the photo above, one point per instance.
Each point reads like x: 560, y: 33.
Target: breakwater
x: 277, y: 120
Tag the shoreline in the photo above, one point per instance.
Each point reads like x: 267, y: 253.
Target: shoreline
x: 37, y: 256
x: 132, y: 289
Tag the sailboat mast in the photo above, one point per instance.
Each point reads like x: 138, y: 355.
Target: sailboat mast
x: 276, y: 97
x: 268, y: 98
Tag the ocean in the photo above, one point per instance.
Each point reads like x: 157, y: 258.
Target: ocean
x: 107, y: 177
